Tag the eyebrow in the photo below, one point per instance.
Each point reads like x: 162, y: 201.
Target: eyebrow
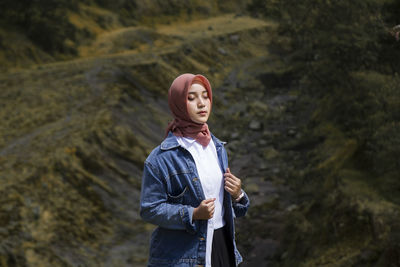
x: 193, y: 93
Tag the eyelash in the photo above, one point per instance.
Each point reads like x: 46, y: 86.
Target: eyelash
x: 204, y: 96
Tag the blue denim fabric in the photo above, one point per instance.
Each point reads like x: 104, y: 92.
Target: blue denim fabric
x: 170, y: 191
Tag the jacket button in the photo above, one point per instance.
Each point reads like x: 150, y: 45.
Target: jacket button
x: 195, y: 179
x: 201, y: 239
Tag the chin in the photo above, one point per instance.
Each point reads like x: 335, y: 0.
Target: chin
x: 200, y: 121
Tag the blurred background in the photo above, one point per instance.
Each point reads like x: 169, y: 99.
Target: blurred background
x: 306, y: 95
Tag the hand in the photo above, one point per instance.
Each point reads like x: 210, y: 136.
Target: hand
x: 232, y: 184
x: 205, y: 210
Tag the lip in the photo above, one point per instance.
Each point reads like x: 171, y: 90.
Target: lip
x: 202, y: 112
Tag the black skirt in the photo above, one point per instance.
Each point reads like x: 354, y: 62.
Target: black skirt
x: 222, y: 253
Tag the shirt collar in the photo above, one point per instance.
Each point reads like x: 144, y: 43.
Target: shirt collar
x: 170, y: 142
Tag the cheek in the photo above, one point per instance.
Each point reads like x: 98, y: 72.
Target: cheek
x: 190, y: 107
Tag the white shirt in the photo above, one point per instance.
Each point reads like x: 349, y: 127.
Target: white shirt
x: 212, y: 182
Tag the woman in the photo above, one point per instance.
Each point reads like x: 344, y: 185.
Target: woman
x: 188, y: 189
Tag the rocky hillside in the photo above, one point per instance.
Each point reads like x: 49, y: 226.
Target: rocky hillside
x: 78, y: 122
x: 43, y: 31
x: 75, y: 135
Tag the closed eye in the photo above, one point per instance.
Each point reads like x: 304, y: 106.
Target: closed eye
x: 193, y: 95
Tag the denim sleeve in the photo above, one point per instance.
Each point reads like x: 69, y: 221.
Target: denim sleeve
x: 154, y: 207
x: 242, y: 206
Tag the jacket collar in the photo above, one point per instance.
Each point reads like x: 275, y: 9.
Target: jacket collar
x: 170, y: 142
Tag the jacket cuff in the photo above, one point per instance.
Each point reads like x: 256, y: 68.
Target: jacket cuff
x: 244, y: 200
x: 241, y: 206
x: 186, y: 213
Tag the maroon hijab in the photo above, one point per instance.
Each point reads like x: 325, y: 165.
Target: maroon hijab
x: 182, y: 125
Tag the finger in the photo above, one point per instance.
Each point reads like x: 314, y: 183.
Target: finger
x: 211, y: 210
x: 231, y: 182
x: 228, y: 170
x: 229, y: 189
x: 234, y: 180
x: 228, y: 174
x: 231, y: 176
x: 206, y: 201
x: 232, y: 187
x: 234, y: 192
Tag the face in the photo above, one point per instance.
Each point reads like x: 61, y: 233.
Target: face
x: 198, y: 103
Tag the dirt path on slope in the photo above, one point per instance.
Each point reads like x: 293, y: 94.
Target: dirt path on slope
x: 232, y: 51
x: 143, y: 39
x: 263, y: 131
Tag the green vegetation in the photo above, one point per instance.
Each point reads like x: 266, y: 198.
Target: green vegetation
x: 74, y: 136
x: 57, y: 28
x: 44, y: 22
x: 346, y: 56
x: 307, y: 99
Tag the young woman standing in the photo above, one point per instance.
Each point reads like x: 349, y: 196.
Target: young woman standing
x: 188, y: 190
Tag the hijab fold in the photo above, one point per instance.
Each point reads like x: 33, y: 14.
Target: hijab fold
x: 182, y: 125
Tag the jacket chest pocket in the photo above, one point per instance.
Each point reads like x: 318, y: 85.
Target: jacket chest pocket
x: 178, y: 188
x: 178, y: 198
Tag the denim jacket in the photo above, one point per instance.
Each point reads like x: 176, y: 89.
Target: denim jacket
x: 170, y: 191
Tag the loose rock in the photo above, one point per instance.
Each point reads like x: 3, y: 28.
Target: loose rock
x: 292, y: 132
x: 222, y: 51
x: 234, y: 38
x: 255, y: 125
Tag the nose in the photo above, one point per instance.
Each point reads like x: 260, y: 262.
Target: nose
x: 201, y: 103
